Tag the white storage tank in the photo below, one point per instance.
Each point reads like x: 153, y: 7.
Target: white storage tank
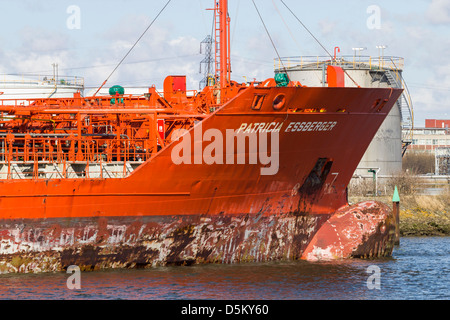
x: 384, y: 154
x: 13, y: 88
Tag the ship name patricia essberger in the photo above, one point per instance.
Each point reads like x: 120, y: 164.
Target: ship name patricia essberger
x: 302, y: 126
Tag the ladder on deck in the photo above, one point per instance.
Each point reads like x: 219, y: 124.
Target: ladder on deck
x: 404, y: 103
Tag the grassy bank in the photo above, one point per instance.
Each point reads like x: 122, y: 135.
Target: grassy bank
x: 420, y: 215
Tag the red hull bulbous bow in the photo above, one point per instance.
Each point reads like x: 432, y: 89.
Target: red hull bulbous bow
x: 364, y: 230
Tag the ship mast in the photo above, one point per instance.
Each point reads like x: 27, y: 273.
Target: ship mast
x: 222, y: 40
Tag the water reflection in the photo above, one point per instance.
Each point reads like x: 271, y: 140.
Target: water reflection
x: 418, y: 270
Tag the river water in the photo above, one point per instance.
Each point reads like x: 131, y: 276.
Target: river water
x: 418, y: 270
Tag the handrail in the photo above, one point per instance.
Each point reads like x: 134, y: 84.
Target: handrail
x: 360, y: 62
x: 70, y: 149
x: 41, y: 79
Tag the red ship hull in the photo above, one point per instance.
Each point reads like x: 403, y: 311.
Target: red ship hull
x: 167, y: 213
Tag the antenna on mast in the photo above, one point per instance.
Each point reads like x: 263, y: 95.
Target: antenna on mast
x: 208, y: 62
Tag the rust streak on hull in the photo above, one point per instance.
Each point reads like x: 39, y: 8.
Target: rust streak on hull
x: 97, y: 243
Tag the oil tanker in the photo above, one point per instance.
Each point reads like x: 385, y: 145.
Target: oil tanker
x: 237, y: 172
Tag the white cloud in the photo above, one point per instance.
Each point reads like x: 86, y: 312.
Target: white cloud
x: 418, y: 32
x: 327, y: 27
x: 41, y: 40
x: 439, y: 12
x: 430, y: 96
x: 156, y: 56
x: 38, y: 49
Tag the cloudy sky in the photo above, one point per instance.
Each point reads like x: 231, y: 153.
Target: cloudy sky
x: 88, y: 38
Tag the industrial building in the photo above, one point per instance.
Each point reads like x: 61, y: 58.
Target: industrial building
x: 434, y: 138
x: 427, y: 139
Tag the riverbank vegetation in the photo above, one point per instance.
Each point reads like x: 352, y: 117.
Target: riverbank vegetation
x: 421, y: 214
x: 418, y: 162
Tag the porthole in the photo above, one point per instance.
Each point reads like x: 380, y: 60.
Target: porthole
x: 279, y: 101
